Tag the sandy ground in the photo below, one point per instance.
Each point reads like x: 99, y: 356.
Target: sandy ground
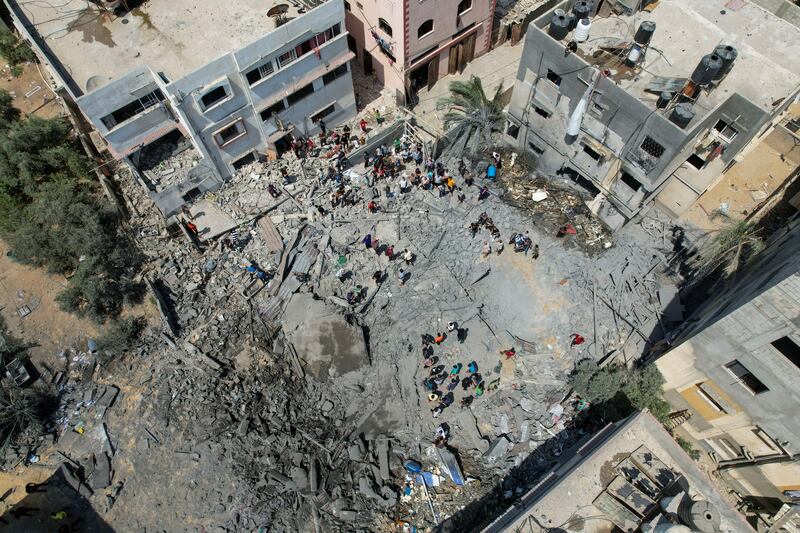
x: 41, y: 100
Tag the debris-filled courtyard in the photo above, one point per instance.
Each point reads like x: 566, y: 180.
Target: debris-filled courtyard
x: 385, y: 342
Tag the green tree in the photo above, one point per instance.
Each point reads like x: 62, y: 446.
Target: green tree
x: 13, y: 50
x: 731, y: 248
x: 471, y: 115
x: 8, y: 113
x: 121, y: 335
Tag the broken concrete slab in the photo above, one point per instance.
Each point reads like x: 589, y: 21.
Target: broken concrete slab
x: 497, y: 449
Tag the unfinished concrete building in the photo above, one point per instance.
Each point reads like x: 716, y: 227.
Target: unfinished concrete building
x: 733, y: 372
x: 409, y: 45
x: 231, y: 82
x: 650, y: 104
x: 631, y: 476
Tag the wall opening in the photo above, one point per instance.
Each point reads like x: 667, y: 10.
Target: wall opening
x: 789, y: 349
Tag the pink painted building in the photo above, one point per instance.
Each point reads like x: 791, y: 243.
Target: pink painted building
x: 409, y: 44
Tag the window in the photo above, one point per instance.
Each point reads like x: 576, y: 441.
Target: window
x: 536, y: 149
x: 555, y: 78
x: 630, y: 181
x: 725, y: 130
x: 286, y: 58
x: 710, y: 400
x: 359, y: 6
x: 259, y: 73
x: 513, y: 130
x: 384, y: 27
x: 136, y: 107
x: 745, y: 377
x: 272, y: 110
x: 542, y: 112
x: 592, y: 153
x: 300, y: 94
x: 338, y: 72
x: 789, y: 349
x: 214, y: 96
x: 347, y: 6
x: 651, y: 147
x: 230, y: 133
x: 464, y: 6
x: 244, y: 160
x: 425, y: 28
x: 322, y: 114
x: 696, y: 161
x: 793, y: 125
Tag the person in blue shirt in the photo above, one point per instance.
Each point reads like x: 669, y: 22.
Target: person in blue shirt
x: 491, y: 172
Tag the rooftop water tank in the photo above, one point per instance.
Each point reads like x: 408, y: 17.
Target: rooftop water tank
x: 582, y: 30
x: 634, y: 54
x: 645, y: 32
x: 582, y: 9
x: 728, y: 55
x: 706, y: 70
x: 699, y: 515
x: 559, y: 26
x: 682, y: 115
x: 663, y: 99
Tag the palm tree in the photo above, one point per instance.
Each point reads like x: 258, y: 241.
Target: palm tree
x: 733, y: 247
x: 471, y: 116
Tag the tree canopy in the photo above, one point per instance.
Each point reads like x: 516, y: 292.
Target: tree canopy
x: 52, y: 215
x: 471, y: 115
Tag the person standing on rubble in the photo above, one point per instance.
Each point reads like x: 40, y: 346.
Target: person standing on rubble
x: 483, y: 193
x: 535, y: 253
x: 322, y: 126
x: 390, y: 252
x: 401, y: 277
x: 408, y: 257
x: 487, y: 249
x: 367, y: 241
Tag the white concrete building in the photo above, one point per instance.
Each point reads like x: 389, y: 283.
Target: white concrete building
x: 231, y: 79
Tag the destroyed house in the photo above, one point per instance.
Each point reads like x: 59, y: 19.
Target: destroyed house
x: 230, y: 82
x: 630, y: 476
x: 649, y: 104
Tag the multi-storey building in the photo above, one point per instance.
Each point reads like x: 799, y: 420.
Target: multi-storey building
x: 733, y: 372
x: 410, y: 44
x: 646, y: 102
x: 233, y: 80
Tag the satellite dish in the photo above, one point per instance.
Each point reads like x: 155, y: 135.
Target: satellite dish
x: 278, y: 12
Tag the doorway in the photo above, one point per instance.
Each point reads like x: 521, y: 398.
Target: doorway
x: 368, y: 68
x: 352, y: 44
x: 461, y: 54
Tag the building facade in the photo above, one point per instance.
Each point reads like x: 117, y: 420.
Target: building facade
x: 409, y: 45
x: 646, y: 106
x: 733, y: 370
x: 235, y: 106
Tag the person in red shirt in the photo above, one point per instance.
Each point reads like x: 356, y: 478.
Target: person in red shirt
x: 390, y: 252
x: 363, y: 125
x: 372, y: 206
x: 577, y: 339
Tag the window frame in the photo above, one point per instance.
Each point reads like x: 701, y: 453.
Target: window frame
x: 280, y: 102
x: 387, y: 29
x: 303, y: 97
x: 747, y: 384
x: 334, y: 74
x: 291, y: 52
x: 322, y: 113
x: 260, y: 69
x: 228, y: 94
x: 721, y: 132
x: 241, y: 132
x: 420, y: 35
x: 467, y: 10
x: 553, y: 74
x: 146, y: 101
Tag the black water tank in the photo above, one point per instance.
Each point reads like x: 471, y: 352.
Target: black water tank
x: 728, y: 55
x: 573, y: 21
x: 645, y: 32
x: 663, y: 99
x: 699, y: 515
x: 682, y: 115
x: 559, y: 26
x: 706, y: 70
x: 582, y: 9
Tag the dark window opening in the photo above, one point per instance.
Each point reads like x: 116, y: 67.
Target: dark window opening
x: 652, y: 147
x: 630, y: 181
x: 793, y: 125
x: 746, y: 378
x: 338, y: 72
x: 214, y: 96
x: 536, y: 149
x: 134, y: 108
x: 347, y: 6
x: 725, y: 130
x: 425, y: 28
x: 789, y: 349
x: 229, y: 133
x: 384, y: 27
x: 260, y: 72
x: 324, y: 113
x: 542, y: 112
x: 513, y: 130
x: 245, y: 160
x: 272, y: 110
x: 696, y: 161
x: 555, y: 78
x: 464, y: 6
x: 300, y: 94
x: 592, y: 153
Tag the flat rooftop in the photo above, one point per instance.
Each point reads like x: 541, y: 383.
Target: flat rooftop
x: 171, y: 36
x: 765, y: 71
x: 568, y: 499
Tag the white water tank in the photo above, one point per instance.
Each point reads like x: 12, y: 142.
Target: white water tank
x: 582, y: 30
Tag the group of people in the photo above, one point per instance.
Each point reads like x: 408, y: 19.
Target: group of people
x: 521, y: 241
x: 441, y: 382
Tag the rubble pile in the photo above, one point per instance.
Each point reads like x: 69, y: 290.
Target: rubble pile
x: 290, y: 383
